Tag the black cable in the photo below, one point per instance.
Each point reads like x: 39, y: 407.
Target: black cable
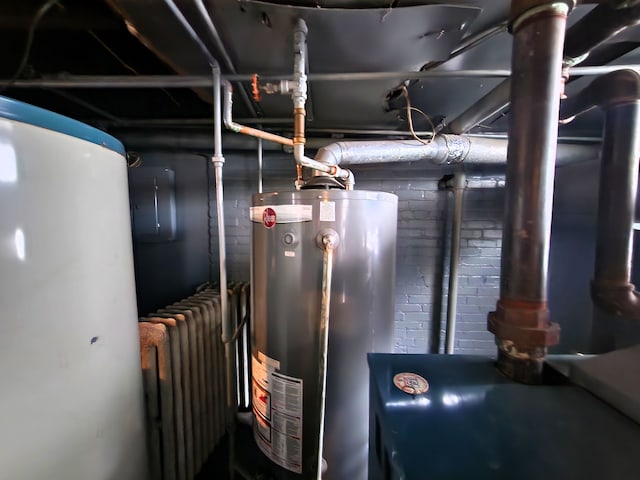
x: 27, y: 48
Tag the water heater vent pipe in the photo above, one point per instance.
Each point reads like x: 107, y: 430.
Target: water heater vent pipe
x: 299, y: 96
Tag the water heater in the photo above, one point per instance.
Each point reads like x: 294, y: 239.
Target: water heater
x: 71, y: 405
x: 287, y: 282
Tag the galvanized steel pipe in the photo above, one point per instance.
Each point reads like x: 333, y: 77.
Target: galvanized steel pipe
x: 204, y: 81
x: 459, y: 185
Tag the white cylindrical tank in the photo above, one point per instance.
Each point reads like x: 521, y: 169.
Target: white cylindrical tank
x: 71, y: 405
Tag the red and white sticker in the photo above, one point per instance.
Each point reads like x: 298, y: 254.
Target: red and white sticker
x: 281, y: 213
x: 269, y: 217
x: 411, y: 383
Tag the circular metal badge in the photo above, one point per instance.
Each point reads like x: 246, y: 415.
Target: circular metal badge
x: 269, y: 217
x: 411, y: 383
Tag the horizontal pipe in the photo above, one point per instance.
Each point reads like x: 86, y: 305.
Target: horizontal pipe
x: 602, y: 23
x: 597, y: 26
x: 444, y: 150
x: 204, y: 81
x: 245, y: 130
x: 491, y: 104
x: 171, y: 140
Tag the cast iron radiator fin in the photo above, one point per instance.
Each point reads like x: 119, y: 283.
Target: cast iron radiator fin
x: 184, y: 379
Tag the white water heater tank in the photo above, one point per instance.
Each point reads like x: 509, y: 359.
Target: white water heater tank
x: 71, y: 405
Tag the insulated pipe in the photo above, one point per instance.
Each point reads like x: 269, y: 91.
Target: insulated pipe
x: 521, y: 320
x: 443, y: 150
x: 619, y: 94
x: 459, y: 185
x: 599, y: 25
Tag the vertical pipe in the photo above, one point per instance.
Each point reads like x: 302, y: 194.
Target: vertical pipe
x: 521, y: 320
x: 328, y: 241
x: 617, y: 196
x: 227, y: 329
x: 611, y: 289
x: 217, y: 113
x: 259, y: 165
x: 454, y: 261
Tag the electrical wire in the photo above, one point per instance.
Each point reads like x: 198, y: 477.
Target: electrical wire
x: 113, y: 54
x: 410, y: 109
x: 126, y: 65
x: 27, y: 48
x: 134, y: 160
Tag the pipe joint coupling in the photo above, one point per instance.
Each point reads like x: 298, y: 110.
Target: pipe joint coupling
x: 524, y: 10
x: 525, y: 324
x: 618, y: 299
x: 457, y: 149
x: 217, y: 160
x: 521, y: 365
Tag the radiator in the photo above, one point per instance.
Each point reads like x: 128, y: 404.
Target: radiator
x: 184, y: 379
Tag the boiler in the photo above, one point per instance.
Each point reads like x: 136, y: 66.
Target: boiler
x: 289, y: 267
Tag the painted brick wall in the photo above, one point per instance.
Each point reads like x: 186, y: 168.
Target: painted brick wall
x: 422, y: 258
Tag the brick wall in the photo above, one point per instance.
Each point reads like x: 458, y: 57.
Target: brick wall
x: 422, y: 258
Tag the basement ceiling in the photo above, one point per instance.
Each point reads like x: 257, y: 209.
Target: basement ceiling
x: 130, y: 37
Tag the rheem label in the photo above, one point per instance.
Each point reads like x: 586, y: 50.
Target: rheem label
x: 269, y: 217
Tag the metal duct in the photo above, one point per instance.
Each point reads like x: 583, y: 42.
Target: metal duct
x: 618, y: 94
x: 443, y: 150
x: 598, y: 26
x: 521, y: 320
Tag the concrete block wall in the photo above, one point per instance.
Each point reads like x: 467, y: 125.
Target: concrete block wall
x: 422, y: 257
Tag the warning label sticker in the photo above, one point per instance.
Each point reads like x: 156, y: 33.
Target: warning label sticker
x: 277, y: 408
x: 328, y: 211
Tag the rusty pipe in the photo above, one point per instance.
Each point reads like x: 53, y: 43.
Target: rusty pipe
x: 521, y: 321
x: 328, y: 241
x: 611, y: 288
x: 618, y: 93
